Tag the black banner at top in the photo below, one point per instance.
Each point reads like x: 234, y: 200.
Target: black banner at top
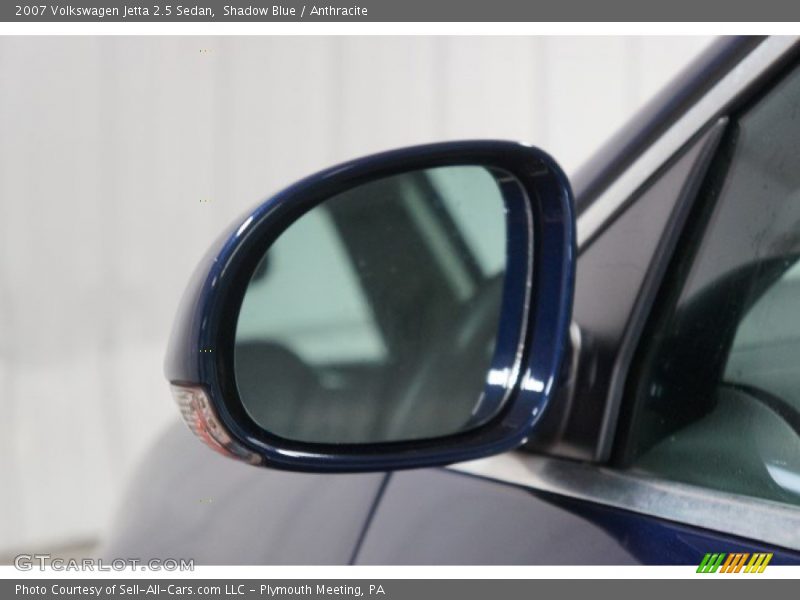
x: 400, y: 11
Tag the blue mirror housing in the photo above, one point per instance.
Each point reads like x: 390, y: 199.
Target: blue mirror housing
x: 532, y: 331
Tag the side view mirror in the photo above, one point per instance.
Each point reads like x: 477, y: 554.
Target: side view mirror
x: 414, y: 313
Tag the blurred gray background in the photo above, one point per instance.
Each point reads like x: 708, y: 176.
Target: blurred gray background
x: 121, y: 158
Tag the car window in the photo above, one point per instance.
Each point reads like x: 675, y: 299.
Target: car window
x: 716, y: 401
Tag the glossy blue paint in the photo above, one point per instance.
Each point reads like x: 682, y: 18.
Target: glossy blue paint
x: 537, y: 300
x: 656, y: 541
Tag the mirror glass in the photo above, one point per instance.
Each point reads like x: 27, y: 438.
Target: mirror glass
x: 376, y: 319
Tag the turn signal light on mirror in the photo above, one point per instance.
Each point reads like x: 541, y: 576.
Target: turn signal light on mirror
x: 198, y: 414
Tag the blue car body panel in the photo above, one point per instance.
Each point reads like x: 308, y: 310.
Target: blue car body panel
x: 186, y: 501
x: 660, y: 542
x: 446, y: 517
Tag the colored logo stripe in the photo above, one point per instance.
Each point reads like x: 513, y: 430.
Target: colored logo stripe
x: 733, y: 563
x: 710, y: 563
x: 759, y: 561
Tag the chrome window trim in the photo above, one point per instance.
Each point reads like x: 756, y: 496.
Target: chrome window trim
x: 732, y: 514
x: 753, y: 518
x: 711, y: 106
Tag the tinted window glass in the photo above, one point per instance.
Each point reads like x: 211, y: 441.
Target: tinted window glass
x: 718, y: 403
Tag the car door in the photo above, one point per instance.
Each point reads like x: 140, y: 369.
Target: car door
x: 677, y: 430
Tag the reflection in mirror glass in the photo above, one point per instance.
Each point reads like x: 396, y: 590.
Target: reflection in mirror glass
x: 376, y: 318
